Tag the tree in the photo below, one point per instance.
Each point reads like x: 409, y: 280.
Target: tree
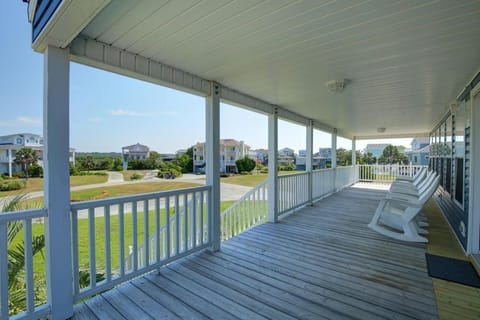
x: 87, y: 163
x: 245, y: 164
x: 26, y: 157
x: 368, y: 158
x: 391, y: 155
x: 155, y: 156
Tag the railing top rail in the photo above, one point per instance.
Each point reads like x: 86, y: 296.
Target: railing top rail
x: 344, y: 167
x: 137, y: 197
x: 285, y: 176
x: 6, y: 217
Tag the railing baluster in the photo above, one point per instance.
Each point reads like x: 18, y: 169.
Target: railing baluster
x: 157, y: 229
x: 194, y: 220
x: 121, y: 237
x: 108, y: 256
x: 28, y: 252
x: 185, y: 222
x: 75, y: 266
x: 167, y: 222
x: 146, y: 233
x: 177, y: 225
x: 91, y: 247
x: 3, y: 271
x: 202, y: 212
x: 134, y: 236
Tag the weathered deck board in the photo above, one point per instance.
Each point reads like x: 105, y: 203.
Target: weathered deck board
x: 320, y: 263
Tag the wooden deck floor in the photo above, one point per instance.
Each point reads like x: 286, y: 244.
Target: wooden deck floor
x: 319, y: 263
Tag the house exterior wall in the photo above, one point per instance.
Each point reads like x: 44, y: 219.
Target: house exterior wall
x: 231, y: 150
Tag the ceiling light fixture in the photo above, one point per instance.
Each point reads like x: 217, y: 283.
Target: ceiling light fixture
x: 381, y: 130
x: 336, y: 86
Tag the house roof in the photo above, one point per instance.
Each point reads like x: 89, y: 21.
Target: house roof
x: 136, y: 148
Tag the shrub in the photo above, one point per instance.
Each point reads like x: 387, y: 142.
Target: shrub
x: 136, y: 176
x: 289, y: 167
x: 264, y: 170
x: 245, y: 164
x: 35, y: 170
x: 12, y: 185
x: 224, y: 175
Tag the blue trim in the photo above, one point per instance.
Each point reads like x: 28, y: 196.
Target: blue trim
x: 44, y: 12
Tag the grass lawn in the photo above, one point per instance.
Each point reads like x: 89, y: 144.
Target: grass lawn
x: 36, y: 184
x: 252, y: 180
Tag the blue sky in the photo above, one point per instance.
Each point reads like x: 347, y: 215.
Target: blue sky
x: 108, y: 111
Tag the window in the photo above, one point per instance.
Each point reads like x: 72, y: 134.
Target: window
x: 19, y: 140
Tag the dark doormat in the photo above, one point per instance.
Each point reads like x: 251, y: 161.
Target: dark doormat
x: 452, y: 270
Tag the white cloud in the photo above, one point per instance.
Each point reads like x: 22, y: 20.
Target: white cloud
x: 29, y: 120
x: 22, y: 121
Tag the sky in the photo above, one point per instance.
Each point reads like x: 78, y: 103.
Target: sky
x: 108, y: 111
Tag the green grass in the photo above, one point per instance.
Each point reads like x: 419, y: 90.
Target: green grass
x: 252, y: 180
x: 36, y: 184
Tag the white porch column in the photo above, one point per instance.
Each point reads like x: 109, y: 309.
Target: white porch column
x: 473, y: 244
x: 57, y: 181
x: 273, y: 166
x: 212, y: 155
x: 309, y: 160
x: 334, y: 148
x: 354, y: 159
x: 10, y: 162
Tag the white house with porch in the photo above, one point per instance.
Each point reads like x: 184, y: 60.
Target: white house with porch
x: 10, y: 144
x: 359, y: 70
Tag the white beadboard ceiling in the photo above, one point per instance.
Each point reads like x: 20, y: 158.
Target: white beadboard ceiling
x: 405, y: 61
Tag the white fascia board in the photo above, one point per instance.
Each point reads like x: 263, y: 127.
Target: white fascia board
x: 69, y: 19
x: 99, y: 55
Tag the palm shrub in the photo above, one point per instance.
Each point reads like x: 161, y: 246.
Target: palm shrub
x: 16, y: 259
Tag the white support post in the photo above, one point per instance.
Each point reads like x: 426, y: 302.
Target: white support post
x: 212, y: 155
x: 57, y: 182
x: 354, y: 159
x: 309, y: 160
x: 334, y: 158
x: 10, y: 162
x: 273, y: 166
x: 473, y: 243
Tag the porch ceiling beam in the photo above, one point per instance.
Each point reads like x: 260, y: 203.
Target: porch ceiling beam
x: 394, y: 136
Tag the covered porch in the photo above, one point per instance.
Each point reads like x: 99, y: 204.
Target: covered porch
x: 321, y: 262
x: 361, y: 70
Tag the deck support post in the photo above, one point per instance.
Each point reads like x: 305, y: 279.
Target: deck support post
x: 334, y: 158
x: 473, y: 243
x: 354, y: 159
x: 212, y: 155
x: 57, y: 182
x: 309, y: 160
x: 273, y: 166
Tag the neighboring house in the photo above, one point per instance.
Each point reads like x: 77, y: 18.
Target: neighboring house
x: 318, y: 162
x: 261, y: 155
x: 10, y: 144
x: 134, y: 152
x: 376, y: 149
x: 286, y: 156
x: 325, y: 153
x: 419, y: 154
x: 231, y: 150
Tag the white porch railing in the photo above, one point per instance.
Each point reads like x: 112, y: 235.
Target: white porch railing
x: 248, y: 211
x: 292, y: 191
x: 25, y: 218
x: 385, y: 173
x: 175, y: 235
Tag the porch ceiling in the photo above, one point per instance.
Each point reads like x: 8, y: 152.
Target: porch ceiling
x: 404, y: 60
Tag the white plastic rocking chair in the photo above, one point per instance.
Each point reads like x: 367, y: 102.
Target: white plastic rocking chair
x: 395, y: 216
